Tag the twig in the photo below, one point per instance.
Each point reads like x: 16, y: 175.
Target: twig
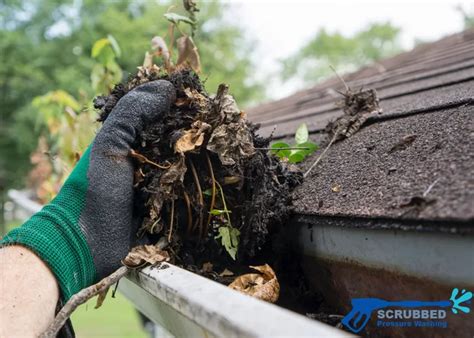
x: 427, y: 191
x: 284, y: 148
x: 224, y: 203
x: 213, y: 198
x: 171, y: 221
x: 80, y: 298
x: 142, y: 158
x: 190, y: 214
x: 321, y: 156
x: 340, y: 78
x: 198, y: 186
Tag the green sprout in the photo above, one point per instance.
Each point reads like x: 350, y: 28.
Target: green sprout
x: 299, y: 151
x: 229, y: 235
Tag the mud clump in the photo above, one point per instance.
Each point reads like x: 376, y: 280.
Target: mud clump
x: 204, y: 179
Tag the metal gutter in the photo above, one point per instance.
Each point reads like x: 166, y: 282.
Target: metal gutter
x: 188, y: 305
x: 438, y: 256
x: 184, y: 304
x: 386, y: 260
x: 23, y: 200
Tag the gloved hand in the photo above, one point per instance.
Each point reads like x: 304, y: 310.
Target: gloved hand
x: 90, y: 226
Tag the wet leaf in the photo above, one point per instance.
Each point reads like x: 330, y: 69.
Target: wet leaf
x: 301, y: 134
x: 143, y: 255
x: 263, y: 285
x: 188, y: 53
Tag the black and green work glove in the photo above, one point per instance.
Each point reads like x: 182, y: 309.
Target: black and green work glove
x: 90, y: 226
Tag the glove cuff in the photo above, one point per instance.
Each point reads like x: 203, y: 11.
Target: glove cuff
x: 61, y: 246
x: 55, y: 236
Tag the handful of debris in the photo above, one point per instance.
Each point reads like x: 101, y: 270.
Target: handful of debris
x: 204, y: 179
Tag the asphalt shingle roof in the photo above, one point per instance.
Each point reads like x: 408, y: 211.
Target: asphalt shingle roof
x: 427, y: 96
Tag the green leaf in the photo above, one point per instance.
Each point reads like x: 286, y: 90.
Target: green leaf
x: 207, y: 192
x: 177, y: 18
x: 296, y: 157
x: 229, y: 239
x: 99, y: 46
x: 312, y: 147
x: 280, y: 153
x: 115, y: 45
x: 301, y: 134
x: 217, y: 212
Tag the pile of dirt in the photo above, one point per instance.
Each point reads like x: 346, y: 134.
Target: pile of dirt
x: 204, y: 180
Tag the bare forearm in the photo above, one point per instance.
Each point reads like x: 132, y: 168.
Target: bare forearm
x: 28, y: 293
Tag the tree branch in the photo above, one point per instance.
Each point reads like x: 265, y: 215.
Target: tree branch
x: 80, y: 298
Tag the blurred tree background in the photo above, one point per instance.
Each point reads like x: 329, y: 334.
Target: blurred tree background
x: 46, y: 45
x: 345, y: 53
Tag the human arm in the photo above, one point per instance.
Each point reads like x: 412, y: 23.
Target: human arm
x: 91, y: 225
x: 28, y: 293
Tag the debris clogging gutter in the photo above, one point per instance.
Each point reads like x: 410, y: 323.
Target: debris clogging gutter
x: 188, y: 305
x: 184, y: 304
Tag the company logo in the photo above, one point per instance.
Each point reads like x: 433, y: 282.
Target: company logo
x: 412, y: 314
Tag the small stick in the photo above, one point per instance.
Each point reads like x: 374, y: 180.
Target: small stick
x: 142, y: 158
x: 224, y: 203
x: 171, y: 221
x: 190, y: 214
x: 284, y: 148
x: 213, y: 198
x: 340, y: 78
x: 198, y: 186
x: 80, y: 298
x: 427, y: 191
x: 321, y: 156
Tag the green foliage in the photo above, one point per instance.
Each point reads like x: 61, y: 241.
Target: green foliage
x: 47, y: 45
x: 344, y: 53
x: 106, y: 73
x: 176, y: 18
x: 217, y: 212
x: 230, y: 239
x: 299, y: 151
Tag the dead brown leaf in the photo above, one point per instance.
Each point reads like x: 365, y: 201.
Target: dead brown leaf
x: 207, y: 267
x: 100, y: 298
x: 192, y: 138
x: 172, y: 177
x: 143, y: 255
x: 226, y: 273
x: 263, y: 285
x: 188, y: 53
x: 231, y: 142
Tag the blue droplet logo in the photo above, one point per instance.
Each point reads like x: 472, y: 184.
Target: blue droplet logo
x: 457, y: 301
